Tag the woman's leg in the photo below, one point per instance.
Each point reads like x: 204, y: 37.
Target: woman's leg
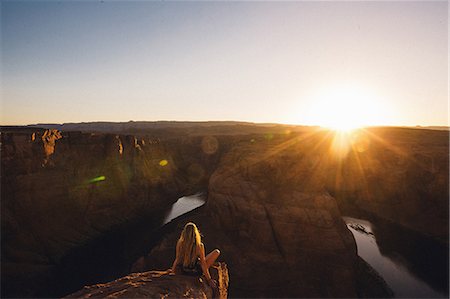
x: 212, y: 257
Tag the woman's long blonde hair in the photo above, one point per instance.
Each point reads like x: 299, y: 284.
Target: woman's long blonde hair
x: 188, y: 244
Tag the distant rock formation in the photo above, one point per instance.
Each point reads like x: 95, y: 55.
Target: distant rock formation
x: 159, y: 284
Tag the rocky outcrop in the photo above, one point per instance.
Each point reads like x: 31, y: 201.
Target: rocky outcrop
x: 159, y: 284
x: 277, y: 226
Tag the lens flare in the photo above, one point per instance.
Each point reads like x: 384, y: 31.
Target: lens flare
x: 97, y: 179
x: 210, y: 144
x: 346, y: 141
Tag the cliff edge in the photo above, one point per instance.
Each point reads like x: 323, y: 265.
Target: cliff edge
x: 159, y: 284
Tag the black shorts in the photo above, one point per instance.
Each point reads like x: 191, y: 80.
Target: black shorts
x: 196, y: 270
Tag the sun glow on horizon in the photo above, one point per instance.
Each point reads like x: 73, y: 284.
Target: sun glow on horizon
x: 355, y: 141
x: 346, y: 109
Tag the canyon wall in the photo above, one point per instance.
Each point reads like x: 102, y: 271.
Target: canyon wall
x: 400, y: 175
x: 274, y: 207
x: 60, y: 190
x: 273, y: 199
x: 289, y: 239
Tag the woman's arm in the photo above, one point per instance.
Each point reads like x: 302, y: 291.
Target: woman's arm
x: 174, y: 265
x: 203, y: 262
x: 175, y: 262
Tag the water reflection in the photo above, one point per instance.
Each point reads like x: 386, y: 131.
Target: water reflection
x: 183, y: 205
x: 396, y: 271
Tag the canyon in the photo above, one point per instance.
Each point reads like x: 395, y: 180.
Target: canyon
x: 275, y: 200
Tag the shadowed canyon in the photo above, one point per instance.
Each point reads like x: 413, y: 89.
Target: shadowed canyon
x: 82, y: 203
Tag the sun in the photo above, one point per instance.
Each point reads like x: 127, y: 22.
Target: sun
x: 345, y: 109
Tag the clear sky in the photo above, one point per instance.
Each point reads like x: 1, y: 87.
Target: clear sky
x: 250, y: 61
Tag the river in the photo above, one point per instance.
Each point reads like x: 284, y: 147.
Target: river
x: 413, y: 267
x: 183, y: 205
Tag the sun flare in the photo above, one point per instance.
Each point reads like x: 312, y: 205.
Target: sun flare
x: 346, y: 109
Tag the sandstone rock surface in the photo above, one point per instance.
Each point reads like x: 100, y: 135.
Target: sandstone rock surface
x: 280, y: 227
x: 400, y: 175
x: 159, y: 284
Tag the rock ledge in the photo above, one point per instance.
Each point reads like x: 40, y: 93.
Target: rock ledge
x: 159, y: 284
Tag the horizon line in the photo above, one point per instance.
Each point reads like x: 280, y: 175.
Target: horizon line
x: 211, y: 121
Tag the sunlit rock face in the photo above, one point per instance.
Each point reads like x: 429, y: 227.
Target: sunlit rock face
x: 400, y: 175
x: 158, y: 284
x: 278, y: 229
x: 273, y: 201
x: 63, y: 189
x: 287, y: 240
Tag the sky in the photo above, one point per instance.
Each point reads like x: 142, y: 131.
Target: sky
x: 285, y: 62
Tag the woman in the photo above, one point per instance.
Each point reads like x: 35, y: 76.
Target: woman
x: 190, y: 255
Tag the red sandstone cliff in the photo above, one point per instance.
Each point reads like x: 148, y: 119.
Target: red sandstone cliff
x: 159, y: 284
